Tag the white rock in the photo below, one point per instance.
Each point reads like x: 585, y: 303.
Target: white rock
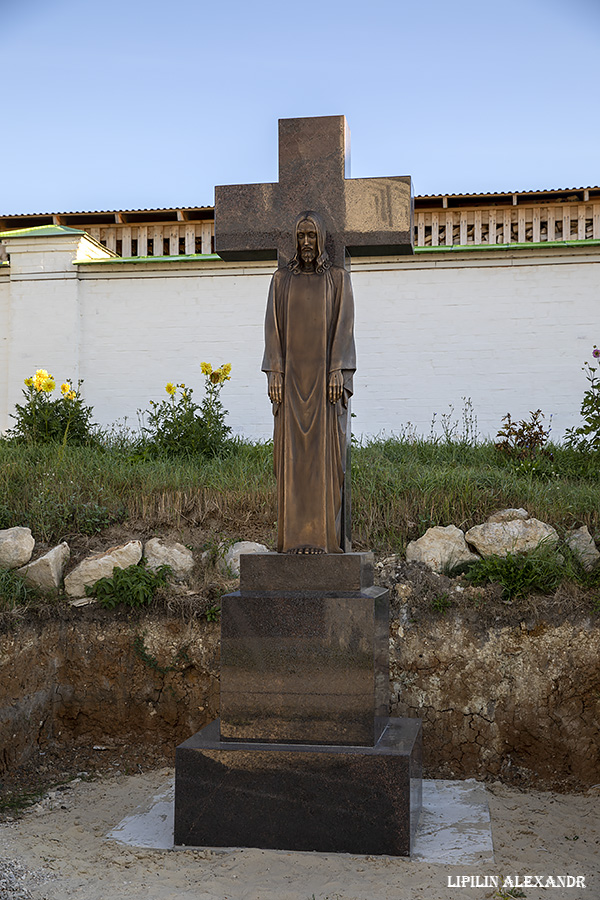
x: 514, y: 536
x: 582, y: 544
x: 101, y: 565
x: 509, y: 515
x: 440, y: 548
x: 16, y: 547
x: 169, y: 553
x: 46, y: 573
x: 229, y: 562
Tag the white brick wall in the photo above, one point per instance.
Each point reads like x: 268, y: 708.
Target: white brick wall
x: 4, y: 320
x: 140, y: 332
x: 510, y: 333
x: 509, y: 329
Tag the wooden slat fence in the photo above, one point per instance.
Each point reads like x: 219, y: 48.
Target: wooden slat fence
x: 170, y: 239
x: 577, y: 221
x: 521, y: 224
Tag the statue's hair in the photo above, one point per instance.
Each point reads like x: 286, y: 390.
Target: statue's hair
x: 323, y: 262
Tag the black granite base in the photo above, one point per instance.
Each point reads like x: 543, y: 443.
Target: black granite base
x: 336, y: 799
x: 324, y: 572
x: 304, y: 668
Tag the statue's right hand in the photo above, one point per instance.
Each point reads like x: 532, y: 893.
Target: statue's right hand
x: 275, y: 387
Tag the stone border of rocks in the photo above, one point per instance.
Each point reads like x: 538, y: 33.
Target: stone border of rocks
x: 441, y: 548
x: 46, y: 573
x: 508, y: 531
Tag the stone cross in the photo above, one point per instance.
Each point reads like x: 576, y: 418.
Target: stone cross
x: 363, y: 216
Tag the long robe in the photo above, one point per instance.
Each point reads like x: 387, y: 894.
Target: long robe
x: 309, y: 332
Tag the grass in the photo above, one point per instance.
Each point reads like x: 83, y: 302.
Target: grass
x: 541, y: 571
x: 14, y: 591
x: 15, y: 803
x: 399, y: 489
x: 402, y: 488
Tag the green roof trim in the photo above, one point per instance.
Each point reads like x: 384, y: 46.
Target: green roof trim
x: 42, y: 231
x: 147, y: 259
x: 523, y: 245
x: 455, y: 248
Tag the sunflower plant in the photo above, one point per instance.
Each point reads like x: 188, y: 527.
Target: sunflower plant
x: 180, y: 426
x: 44, y: 418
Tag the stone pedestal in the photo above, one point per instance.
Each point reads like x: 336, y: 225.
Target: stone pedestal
x: 332, y: 799
x: 304, y: 756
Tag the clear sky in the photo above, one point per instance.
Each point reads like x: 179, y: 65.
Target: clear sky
x: 127, y: 104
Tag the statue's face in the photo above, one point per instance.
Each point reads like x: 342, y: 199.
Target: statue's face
x: 306, y: 236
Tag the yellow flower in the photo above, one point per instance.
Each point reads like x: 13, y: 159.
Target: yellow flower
x: 216, y: 377
x: 71, y: 395
x: 206, y: 368
x: 48, y: 384
x: 226, y: 369
x: 65, y: 388
x: 39, y: 378
x: 170, y: 388
x: 29, y: 382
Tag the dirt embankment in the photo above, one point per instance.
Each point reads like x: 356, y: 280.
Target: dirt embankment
x: 503, y: 692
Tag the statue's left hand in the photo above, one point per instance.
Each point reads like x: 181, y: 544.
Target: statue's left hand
x: 336, y: 386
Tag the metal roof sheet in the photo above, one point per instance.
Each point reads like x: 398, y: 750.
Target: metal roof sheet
x: 104, y: 212
x: 510, y: 193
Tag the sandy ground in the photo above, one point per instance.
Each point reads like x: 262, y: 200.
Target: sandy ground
x: 64, y: 840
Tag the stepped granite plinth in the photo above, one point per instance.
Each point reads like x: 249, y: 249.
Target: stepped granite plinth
x: 304, y: 756
x: 332, y: 799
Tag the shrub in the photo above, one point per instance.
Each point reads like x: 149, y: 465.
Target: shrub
x: 42, y: 419
x: 133, y: 586
x: 179, y: 426
x: 587, y: 437
x: 524, y: 438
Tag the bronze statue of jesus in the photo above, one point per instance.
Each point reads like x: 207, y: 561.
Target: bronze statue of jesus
x: 310, y: 361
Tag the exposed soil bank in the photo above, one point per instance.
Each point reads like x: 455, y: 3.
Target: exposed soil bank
x: 101, y: 680
x: 514, y: 700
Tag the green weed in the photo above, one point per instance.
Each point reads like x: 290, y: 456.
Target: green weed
x: 14, y: 591
x: 15, y: 803
x: 133, y: 586
x: 587, y: 436
x: 521, y: 574
x: 442, y: 603
x: 180, y: 660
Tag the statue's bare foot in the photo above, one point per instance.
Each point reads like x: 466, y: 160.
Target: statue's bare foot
x: 308, y: 551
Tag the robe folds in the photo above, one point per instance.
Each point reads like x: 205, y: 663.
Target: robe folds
x: 309, y: 332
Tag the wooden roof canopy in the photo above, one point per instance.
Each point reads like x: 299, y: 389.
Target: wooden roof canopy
x: 90, y: 218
